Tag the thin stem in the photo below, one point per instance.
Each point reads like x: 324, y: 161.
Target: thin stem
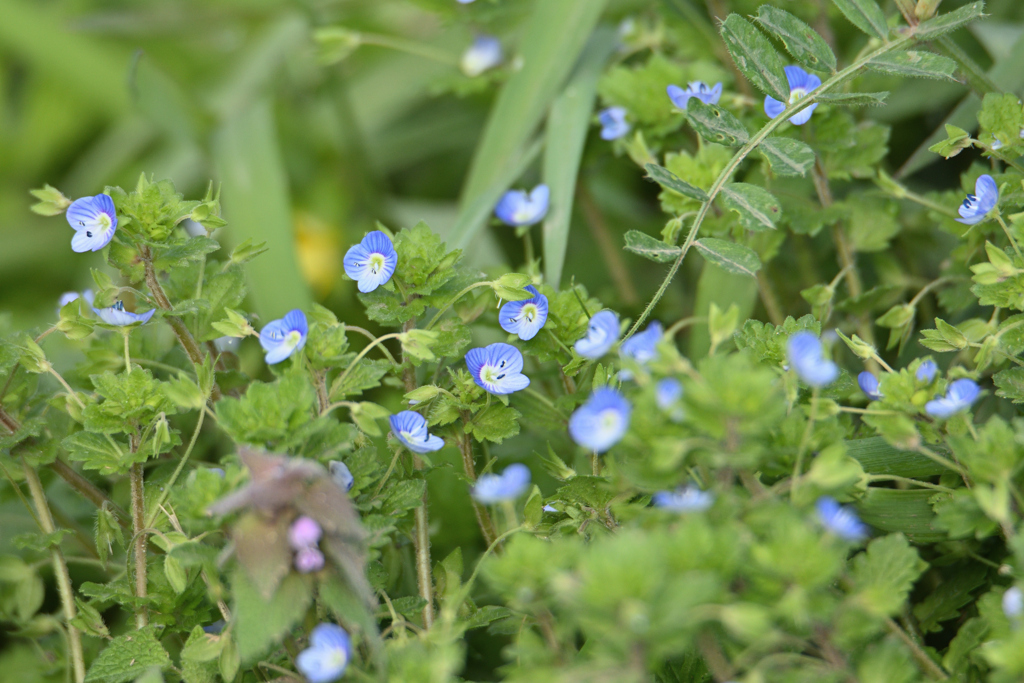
x: 67, y: 387
x: 369, y: 335
x: 174, y: 477
x: 1009, y: 236
x: 451, y: 303
x: 685, y: 322
x: 21, y: 496
x: 906, y: 480
x: 127, y: 357
x: 366, y: 349
x: 945, y: 462
x: 545, y: 400
x: 138, y: 531
x: 926, y: 663
x: 409, y: 47
x: 730, y: 168
x: 805, y: 441
x: 88, y: 490
x: 483, y: 517
x: 929, y: 287
x: 60, y: 571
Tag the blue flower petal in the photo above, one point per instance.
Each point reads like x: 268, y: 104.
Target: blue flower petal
x: 642, y: 346
x: 484, y: 54
x: 805, y: 356
x: 410, y: 428
x: 842, y: 521
x: 926, y: 371
x: 688, y: 499
x: 668, y: 392
x: 94, y: 220
x: 281, y: 338
x: 987, y: 192
x: 372, y: 262
x: 602, y: 333
x: 679, y: 97
x: 869, y: 385
x: 772, y: 107
x: 525, y: 318
x: 496, y: 488
x: 613, y: 123
x: 341, y: 474
x: 602, y: 421
x: 517, y: 208
x: 804, y: 116
x: 116, y: 315
x: 497, y: 368
x: 326, y: 658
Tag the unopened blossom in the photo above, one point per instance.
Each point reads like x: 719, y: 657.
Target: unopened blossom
x: 341, y: 474
x: 868, y: 383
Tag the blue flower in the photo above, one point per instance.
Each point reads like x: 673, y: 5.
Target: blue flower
x: 698, y: 89
x: 800, y: 83
x: 411, y: 429
x: 465, y: 2
x: 668, y: 392
x: 94, y: 220
x: 517, y: 208
x: 842, y: 521
x: 869, y: 385
x: 68, y: 297
x: 327, y: 656
x: 485, y: 53
x: 341, y: 474
x: 643, y: 346
x: 602, y: 333
x: 977, y: 205
x: 280, y: 338
x: 1013, y: 603
x: 116, y: 315
x: 372, y: 262
x: 926, y: 371
x: 959, y: 396
x: 496, y: 488
x: 688, y: 499
x: 526, y: 317
x: 805, y: 355
x: 602, y: 421
x: 613, y: 123
x: 497, y: 368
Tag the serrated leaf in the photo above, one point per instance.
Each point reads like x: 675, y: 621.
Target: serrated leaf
x: 755, y: 57
x: 756, y: 206
x: 853, y: 99
x: 1010, y: 384
x: 788, y: 157
x: 642, y: 244
x: 670, y: 181
x: 97, y: 452
x: 126, y: 657
x: 801, y: 41
x: 260, y: 623
x: 884, y: 574
x: 735, y: 258
x: 716, y: 124
x: 944, y: 23
x: 914, y: 63
x: 865, y: 15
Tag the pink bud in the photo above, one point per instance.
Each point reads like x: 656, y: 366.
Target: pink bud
x: 304, y: 533
x: 309, y: 560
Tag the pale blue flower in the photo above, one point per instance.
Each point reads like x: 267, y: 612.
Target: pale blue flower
x: 840, y: 520
x: 68, y: 297
x: 977, y: 205
x: 1013, y: 603
x: 410, y: 428
x: 94, y: 220
x: 497, y: 488
x: 517, y: 208
x: 497, y: 368
x: 372, y: 262
x: 341, y: 474
x: 688, y: 499
x: 643, y: 346
x: 926, y: 371
x: 549, y: 508
x: 327, y: 656
x: 668, y: 392
x: 465, y: 2
x: 116, y: 315
x: 698, y: 89
x: 613, y: 123
x: 281, y: 338
x: 602, y: 333
x: 800, y: 83
x: 805, y: 356
x: 959, y: 396
x: 869, y: 385
x: 525, y: 318
x: 602, y: 421
x: 484, y: 54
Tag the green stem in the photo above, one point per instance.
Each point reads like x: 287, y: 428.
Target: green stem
x: 174, y: 477
x: 127, y: 357
x: 409, y: 47
x: 1009, y: 236
x: 926, y: 663
x: 60, y: 571
x: 369, y: 335
x: 451, y: 303
x: 912, y: 482
x: 805, y: 441
x: 801, y: 104
x: 138, y: 531
x: 945, y: 462
x: 366, y: 349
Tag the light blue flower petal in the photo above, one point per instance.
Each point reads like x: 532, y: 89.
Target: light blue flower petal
x: 525, y: 318
x: 804, y: 116
x: 679, y: 97
x: 964, y: 391
x: 341, y: 474
x: 602, y: 333
x: 116, y: 315
x: 805, y: 356
x: 689, y: 499
x: 987, y: 192
x: 642, y: 347
x: 483, y: 54
x: 496, y: 488
x: 715, y: 95
x: 602, y: 421
x: 842, y: 521
x: 517, y: 208
x: 869, y: 385
x: 613, y: 123
x: 926, y: 371
x: 667, y: 392
x: 772, y: 107
x: 497, y: 368
x: 326, y: 659
x: 798, y: 78
x: 295, y: 320
x: 372, y: 262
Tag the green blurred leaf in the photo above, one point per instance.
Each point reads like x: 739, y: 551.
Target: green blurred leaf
x: 788, y: 157
x: 865, y: 15
x: 950, y: 21
x: 674, y: 183
x: 127, y: 656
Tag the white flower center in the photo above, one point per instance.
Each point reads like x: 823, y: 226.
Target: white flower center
x: 293, y: 338
x: 796, y: 94
x: 104, y: 221
x: 376, y: 262
x: 529, y: 312
x: 609, y: 420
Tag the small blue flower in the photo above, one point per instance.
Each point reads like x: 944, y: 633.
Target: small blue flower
x: 698, y: 89
x: 116, y: 315
x: 525, y: 318
x: 465, y: 2
x: 800, y: 83
x: 227, y: 344
x: 497, y: 368
x: 517, y: 208
x: 94, y: 220
x: 496, y: 488
x: 959, y: 396
x: 68, y: 297
x: 1013, y: 603
x: 327, y: 656
x: 668, y: 392
x: 602, y: 333
x: 341, y: 474
x: 410, y: 428
x: 613, y: 123
x: 869, y: 385
x: 977, y: 205
x: 281, y: 338
x: 549, y: 508
x: 926, y: 371
x: 688, y: 499
x: 485, y: 53
x: 643, y: 346
x: 372, y: 262
x: 805, y: 355
x: 602, y: 421
x: 842, y: 521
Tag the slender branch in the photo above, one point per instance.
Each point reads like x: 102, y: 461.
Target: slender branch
x: 437, y: 316
x: 174, y: 477
x: 369, y: 335
x: 141, y: 539
x: 60, y: 571
x: 1009, y: 236
x: 362, y: 354
x: 805, y: 441
x: 483, y: 518
x: 926, y: 663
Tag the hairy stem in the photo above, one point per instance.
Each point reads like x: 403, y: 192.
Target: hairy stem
x: 483, y: 518
x: 437, y: 316
x: 60, y: 572
x: 926, y: 663
x: 139, y: 534
x: 174, y: 477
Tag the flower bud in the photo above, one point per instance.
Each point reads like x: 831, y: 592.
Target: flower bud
x: 304, y: 533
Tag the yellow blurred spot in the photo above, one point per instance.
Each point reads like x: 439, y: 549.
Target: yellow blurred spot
x: 319, y: 257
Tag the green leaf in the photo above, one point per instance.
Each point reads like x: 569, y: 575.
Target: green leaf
x: 268, y: 412
x: 496, y: 423
x: 757, y: 208
x: 884, y: 574
x: 788, y: 157
x: 97, y: 452
x: 801, y: 41
x: 402, y: 495
x: 672, y: 182
x: 366, y: 374
x: 914, y: 63
x: 185, y: 251
x: 716, y: 124
x: 1010, y: 384
x: 944, y: 23
x: 853, y: 99
x: 755, y: 57
x: 259, y: 623
x: 735, y: 258
x: 128, y: 656
x: 642, y: 244
x: 865, y: 15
